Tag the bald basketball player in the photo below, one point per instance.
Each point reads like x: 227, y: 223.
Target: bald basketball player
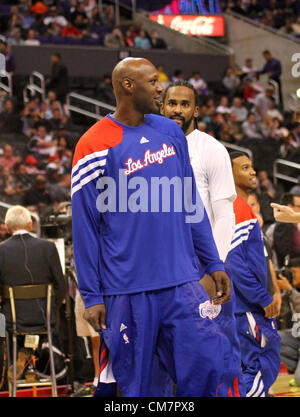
x: 135, y: 260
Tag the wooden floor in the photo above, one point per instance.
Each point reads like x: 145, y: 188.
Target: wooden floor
x: 281, y: 387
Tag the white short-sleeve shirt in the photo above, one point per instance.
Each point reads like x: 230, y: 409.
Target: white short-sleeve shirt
x: 212, y: 169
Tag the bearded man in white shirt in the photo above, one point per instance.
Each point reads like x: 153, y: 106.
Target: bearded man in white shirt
x: 213, y: 174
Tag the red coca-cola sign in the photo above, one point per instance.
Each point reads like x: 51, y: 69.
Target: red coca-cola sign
x: 193, y: 25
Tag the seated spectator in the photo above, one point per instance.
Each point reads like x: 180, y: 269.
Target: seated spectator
x: 225, y: 134
x: 79, y: 11
x: 248, y: 71
x: 268, y: 19
x: 156, y: 41
x: 15, y: 37
x: 129, y: 41
x: 71, y: 31
x: 114, y: 39
x: 38, y: 25
x: 163, y: 77
x: 273, y: 110
x: 31, y: 117
x: 288, y: 147
x: 8, y: 190
x: 59, y: 187
x: 231, y: 82
x: 198, y: 83
x: 177, y: 76
x: 38, y: 195
x: 262, y: 103
x: 223, y: 107
x: 15, y: 19
x: 53, y: 29
x: 9, y: 159
x: 56, y: 17
x: 286, y: 235
x: 141, y: 40
x: 264, y: 185
x: 250, y: 128
x: 23, y: 181
x: 10, y: 121
x: 42, y: 144
x: 250, y: 90
x: 58, y: 120
x: 108, y: 15
x: 287, y: 28
x: 31, y: 166
x: 240, y: 110
x: 80, y: 23
x: 31, y: 39
x: 217, y: 123
x: 27, y: 18
x: 132, y: 30
x: 39, y: 8
x: 95, y: 18
x: 64, y: 154
x: 277, y: 130
x: 235, y: 127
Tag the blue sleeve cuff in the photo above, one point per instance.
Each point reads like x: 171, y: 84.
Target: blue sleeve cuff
x: 92, y: 300
x: 266, y: 301
x: 215, y: 266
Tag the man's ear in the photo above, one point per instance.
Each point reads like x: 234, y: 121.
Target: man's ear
x: 128, y: 85
x: 29, y: 227
x: 196, y: 111
x: 162, y: 108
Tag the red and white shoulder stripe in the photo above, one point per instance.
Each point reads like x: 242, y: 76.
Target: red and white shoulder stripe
x: 245, y: 221
x: 91, y: 152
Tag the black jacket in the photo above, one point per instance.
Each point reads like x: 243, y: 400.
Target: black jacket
x: 26, y: 260
x: 59, y: 79
x: 284, y: 242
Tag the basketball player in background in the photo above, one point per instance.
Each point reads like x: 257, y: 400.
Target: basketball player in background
x: 213, y: 174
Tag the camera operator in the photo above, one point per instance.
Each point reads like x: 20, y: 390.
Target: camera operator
x: 290, y: 337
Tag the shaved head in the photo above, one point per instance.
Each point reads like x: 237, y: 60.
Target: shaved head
x: 128, y: 68
x: 136, y: 86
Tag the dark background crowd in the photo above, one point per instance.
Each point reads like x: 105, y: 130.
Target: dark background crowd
x: 38, y: 136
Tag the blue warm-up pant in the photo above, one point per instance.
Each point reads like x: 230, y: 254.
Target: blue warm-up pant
x: 172, y: 324
x: 260, y: 352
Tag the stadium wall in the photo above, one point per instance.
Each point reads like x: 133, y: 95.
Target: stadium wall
x: 97, y: 61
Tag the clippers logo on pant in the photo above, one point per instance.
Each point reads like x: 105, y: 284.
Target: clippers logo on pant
x: 209, y: 310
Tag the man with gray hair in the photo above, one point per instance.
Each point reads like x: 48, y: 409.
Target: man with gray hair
x: 27, y: 260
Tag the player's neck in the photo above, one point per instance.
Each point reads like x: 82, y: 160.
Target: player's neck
x: 190, y: 129
x: 242, y: 193
x: 128, y: 116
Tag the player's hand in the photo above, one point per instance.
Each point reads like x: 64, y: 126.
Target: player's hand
x: 278, y: 301
x: 96, y: 316
x: 284, y: 214
x: 271, y: 310
x: 223, y: 287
